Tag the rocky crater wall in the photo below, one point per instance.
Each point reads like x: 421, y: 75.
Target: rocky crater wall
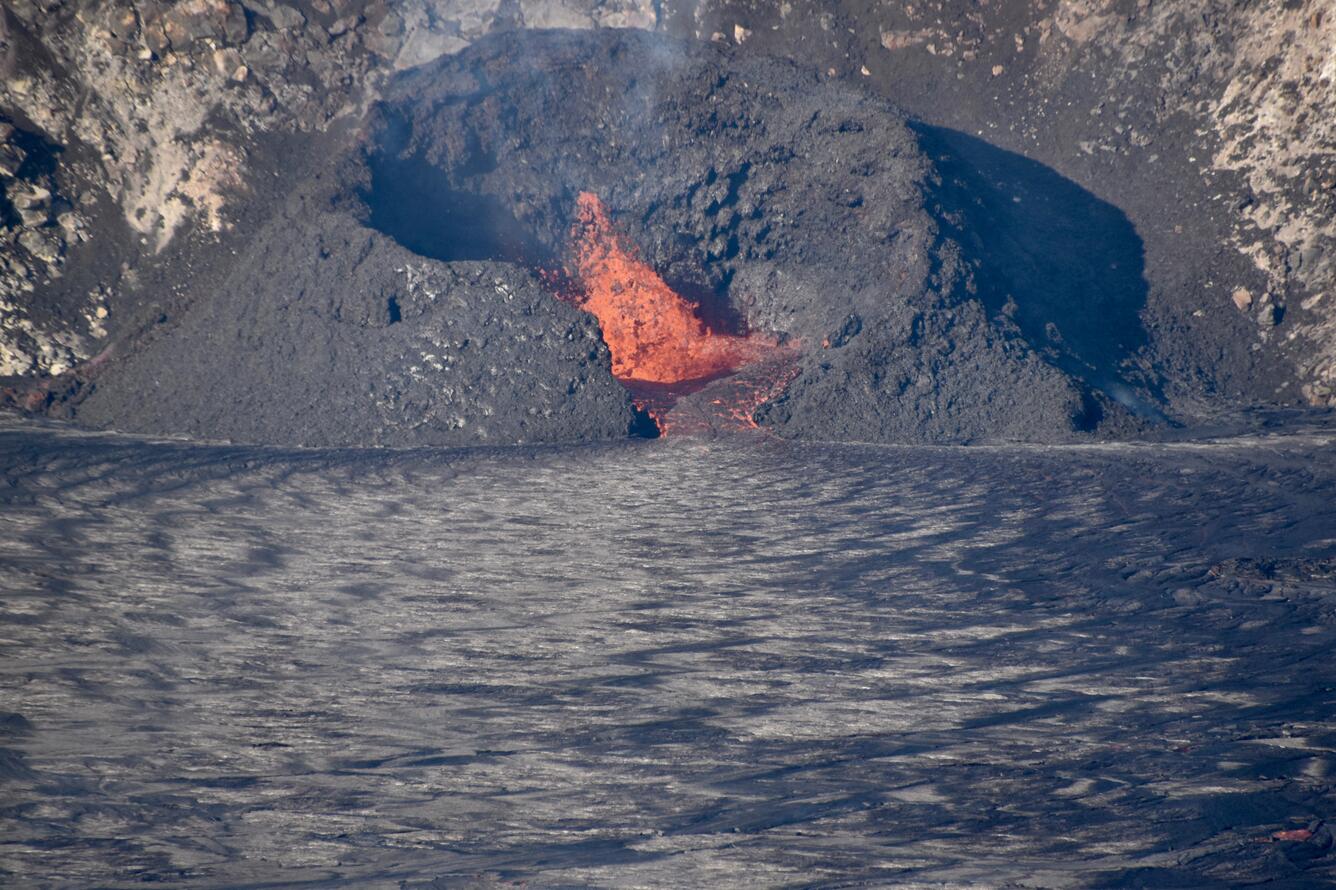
x: 783, y: 202
x: 145, y: 144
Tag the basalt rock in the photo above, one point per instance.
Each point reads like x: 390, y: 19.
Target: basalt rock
x: 784, y: 202
x: 328, y: 333
x: 1208, y: 124
x: 409, y: 294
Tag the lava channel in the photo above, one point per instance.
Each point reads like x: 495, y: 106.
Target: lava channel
x: 661, y: 350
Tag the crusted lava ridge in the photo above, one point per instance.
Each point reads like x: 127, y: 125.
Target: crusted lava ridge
x: 784, y: 201
x: 397, y: 297
x: 329, y: 333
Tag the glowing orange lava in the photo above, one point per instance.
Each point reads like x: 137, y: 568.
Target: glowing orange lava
x: 653, y: 333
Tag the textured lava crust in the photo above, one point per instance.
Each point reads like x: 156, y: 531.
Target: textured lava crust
x: 329, y: 333
x: 406, y: 292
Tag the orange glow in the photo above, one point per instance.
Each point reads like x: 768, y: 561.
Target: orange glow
x: 653, y: 333
x: 740, y: 408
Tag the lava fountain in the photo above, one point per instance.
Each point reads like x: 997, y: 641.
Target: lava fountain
x: 653, y: 333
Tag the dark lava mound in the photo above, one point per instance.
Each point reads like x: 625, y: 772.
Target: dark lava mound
x: 425, y: 288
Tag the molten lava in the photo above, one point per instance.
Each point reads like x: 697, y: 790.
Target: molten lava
x: 662, y: 352
x: 653, y: 333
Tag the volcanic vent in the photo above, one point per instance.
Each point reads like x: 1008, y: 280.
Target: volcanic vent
x: 737, y: 240
x: 655, y: 335
x: 662, y: 350
x: 789, y: 208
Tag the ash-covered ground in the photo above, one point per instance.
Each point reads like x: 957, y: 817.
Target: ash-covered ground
x: 728, y: 662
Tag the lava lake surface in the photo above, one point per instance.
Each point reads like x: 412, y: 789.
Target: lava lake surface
x: 691, y: 662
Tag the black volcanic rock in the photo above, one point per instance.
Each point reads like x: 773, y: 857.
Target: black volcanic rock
x: 328, y: 333
x: 163, y: 132
x: 401, y: 296
x: 783, y: 201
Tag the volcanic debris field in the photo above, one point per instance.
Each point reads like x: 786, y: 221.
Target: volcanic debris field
x: 344, y: 562
x: 708, y: 211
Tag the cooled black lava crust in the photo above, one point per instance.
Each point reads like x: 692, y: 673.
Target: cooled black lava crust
x: 397, y: 298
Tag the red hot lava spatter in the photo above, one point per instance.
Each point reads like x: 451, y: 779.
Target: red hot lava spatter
x: 661, y: 350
